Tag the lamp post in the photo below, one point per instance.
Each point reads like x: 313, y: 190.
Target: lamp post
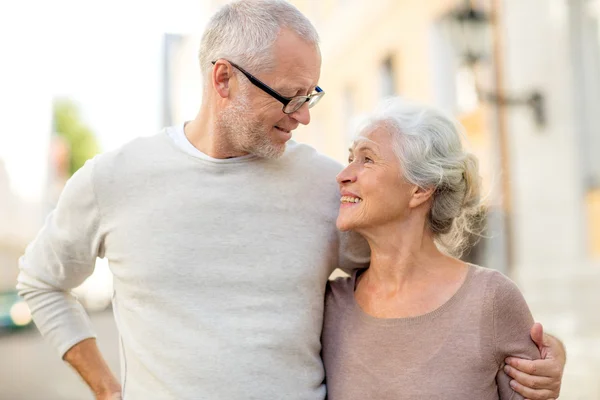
x: 476, y: 39
x: 469, y: 31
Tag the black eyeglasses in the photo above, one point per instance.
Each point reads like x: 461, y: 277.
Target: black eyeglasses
x: 290, y: 104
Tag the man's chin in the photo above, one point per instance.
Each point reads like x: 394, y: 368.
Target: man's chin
x: 271, y: 152
x: 282, y: 135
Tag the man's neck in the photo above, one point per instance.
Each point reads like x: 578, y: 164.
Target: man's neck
x: 203, y: 134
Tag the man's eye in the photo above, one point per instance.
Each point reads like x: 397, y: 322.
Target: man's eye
x: 350, y: 159
x: 368, y: 160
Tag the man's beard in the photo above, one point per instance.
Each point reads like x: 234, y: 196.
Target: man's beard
x: 246, y: 133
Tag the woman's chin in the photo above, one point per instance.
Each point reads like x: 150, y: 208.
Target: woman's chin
x: 343, y: 225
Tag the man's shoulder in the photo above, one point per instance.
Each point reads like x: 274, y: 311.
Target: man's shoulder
x: 309, y: 156
x: 134, y: 152
x: 132, y: 160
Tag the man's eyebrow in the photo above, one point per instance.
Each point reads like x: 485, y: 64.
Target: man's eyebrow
x: 298, y: 89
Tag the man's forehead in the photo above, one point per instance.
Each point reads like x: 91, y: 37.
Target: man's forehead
x: 295, y: 83
x: 297, y: 65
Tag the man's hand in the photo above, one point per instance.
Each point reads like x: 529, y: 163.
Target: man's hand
x: 110, y: 396
x: 539, y: 379
x: 85, y: 357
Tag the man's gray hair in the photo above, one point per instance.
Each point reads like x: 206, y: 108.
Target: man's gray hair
x: 428, y: 144
x: 244, y: 32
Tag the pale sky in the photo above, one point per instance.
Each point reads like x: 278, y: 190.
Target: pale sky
x: 105, y: 55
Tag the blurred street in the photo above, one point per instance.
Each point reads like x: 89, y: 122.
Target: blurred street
x: 31, y: 370
x: 521, y: 77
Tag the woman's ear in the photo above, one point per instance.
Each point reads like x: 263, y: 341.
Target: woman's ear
x: 420, y: 195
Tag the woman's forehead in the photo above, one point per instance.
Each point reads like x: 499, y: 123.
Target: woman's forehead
x: 375, y: 138
x: 362, y: 141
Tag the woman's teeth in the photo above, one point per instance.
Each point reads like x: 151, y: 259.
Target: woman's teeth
x: 349, y: 199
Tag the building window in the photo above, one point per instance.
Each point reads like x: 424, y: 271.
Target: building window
x: 348, y: 114
x: 585, y: 44
x: 467, y: 99
x: 387, y: 78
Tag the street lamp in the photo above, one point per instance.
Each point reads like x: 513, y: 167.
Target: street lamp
x: 469, y: 32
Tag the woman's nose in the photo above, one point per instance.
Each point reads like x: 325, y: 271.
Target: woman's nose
x: 346, y: 176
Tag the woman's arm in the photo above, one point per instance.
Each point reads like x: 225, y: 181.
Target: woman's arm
x: 539, y: 379
x: 512, y: 322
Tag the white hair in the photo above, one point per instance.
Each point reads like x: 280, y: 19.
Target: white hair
x: 244, y: 32
x: 428, y: 144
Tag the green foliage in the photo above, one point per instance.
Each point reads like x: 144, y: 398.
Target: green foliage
x: 82, y: 142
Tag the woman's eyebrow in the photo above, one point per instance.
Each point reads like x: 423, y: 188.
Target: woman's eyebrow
x: 363, y: 140
x: 362, y: 147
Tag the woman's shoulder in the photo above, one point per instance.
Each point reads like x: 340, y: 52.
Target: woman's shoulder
x: 493, y: 278
x: 501, y: 292
x: 509, y: 316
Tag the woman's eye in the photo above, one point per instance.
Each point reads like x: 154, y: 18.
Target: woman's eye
x: 368, y: 160
x: 350, y: 159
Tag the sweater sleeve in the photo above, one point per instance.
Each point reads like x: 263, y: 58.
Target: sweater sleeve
x: 60, y: 258
x: 354, y: 252
x: 512, y: 325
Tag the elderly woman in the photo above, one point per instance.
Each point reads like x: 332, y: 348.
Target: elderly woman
x: 418, y: 323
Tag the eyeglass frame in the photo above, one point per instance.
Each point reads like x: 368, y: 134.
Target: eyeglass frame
x: 282, y: 99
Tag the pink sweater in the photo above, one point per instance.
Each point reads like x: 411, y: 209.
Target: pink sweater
x: 453, y: 353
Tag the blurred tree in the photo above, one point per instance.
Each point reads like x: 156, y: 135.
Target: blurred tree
x: 80, y: 139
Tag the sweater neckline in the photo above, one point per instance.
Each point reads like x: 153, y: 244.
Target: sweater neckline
x: 355, y: 307
x: 201, y: 157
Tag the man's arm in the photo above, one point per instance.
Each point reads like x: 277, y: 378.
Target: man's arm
x: 61, y: 257
x: 85, y: 357
x: 539, y: 379
x: 353, y: 252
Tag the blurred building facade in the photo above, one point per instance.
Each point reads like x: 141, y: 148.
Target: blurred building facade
x: 21, y: 218
x: 181, y: 78
x: 555, y: 176
x: 23, y: 173
x: 10, y: 247
x: 542, y: 180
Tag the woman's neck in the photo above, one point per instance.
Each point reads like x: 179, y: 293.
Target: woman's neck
x: 401, y: 252
x: 408, y: 275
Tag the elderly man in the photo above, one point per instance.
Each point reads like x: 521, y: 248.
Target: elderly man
x: 220, y: 234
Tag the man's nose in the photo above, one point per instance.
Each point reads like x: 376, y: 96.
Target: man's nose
x: 302, y: 114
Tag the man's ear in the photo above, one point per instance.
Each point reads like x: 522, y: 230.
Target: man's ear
x: 420, y: 195
x: 221, y: 75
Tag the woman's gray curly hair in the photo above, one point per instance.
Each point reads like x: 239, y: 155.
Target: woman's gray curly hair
x: 428, y: 143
